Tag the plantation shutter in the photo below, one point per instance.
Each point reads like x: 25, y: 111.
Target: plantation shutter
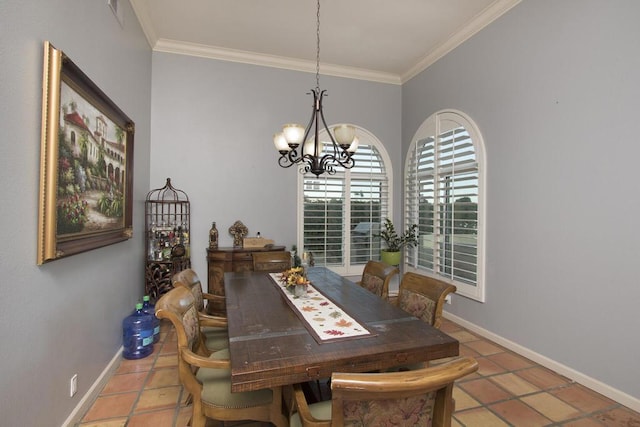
x: 324, y: 215
x: 343, y: 212
x: 369, y: 194
x: 442, y: 197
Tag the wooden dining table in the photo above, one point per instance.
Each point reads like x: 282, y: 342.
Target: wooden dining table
x: 270, y: 345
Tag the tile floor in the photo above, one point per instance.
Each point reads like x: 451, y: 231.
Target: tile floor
x: 507, y: 390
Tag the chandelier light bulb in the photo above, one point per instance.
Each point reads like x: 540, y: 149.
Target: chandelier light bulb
x: 354, y: 145
x: 293, y: 133
x: 311, y: 149
x: 344, y: 134
x: 280, y: 142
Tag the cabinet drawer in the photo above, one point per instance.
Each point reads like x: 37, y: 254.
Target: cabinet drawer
x: 219, y: 256
x: 242, y: 257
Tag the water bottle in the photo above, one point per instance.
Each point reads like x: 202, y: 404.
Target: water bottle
x: 137, y: 334
x: 150, y: 309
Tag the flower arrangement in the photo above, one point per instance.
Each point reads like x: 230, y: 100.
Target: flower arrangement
x: 294, y: 276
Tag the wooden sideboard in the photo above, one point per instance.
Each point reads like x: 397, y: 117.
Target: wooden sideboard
x: 222, y: 260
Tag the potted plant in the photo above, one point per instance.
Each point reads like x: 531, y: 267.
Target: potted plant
x: 394, y: 242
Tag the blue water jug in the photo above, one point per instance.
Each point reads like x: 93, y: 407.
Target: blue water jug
x: 137, y: 334
x: 150, y: 309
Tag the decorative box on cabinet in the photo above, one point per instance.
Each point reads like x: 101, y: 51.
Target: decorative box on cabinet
x: 222, y: 260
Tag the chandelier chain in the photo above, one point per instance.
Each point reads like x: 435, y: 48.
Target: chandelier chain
x: 318, y: 47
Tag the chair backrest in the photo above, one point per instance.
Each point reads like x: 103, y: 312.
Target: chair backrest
x: 376, y: 277
x: 272, y: 261
x: 206, y: 376
x: 423, y: 297
x: 189, y: 279
x: 377, y: 399
x: 179, y: 306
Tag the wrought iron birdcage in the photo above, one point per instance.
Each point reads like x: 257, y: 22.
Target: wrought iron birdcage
x: 167, y: 247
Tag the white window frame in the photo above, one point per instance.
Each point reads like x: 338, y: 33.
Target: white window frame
x: 365, y: 138
x: 429, y: 128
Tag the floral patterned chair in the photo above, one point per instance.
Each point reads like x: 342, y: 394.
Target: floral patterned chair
x: 423, y: 297
x: 376, y: 277
x: 207, y: 376
x: 412, y: 398
x: 214, y: 328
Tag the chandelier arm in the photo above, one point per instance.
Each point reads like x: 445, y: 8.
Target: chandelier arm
x: 314, y: 114
x: 286, y: 161
x: 347, y: 163
x: 338, y: 152
x: 328, y: 167
x: 324, y: 122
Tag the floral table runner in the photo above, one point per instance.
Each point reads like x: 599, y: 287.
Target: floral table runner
x: 323, y: 318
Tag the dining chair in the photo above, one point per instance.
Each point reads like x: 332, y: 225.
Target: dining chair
x: 272, y: 261
x: 207, y: 376
x: 214, y: 328
x: 376, y: 277
x: 423, y: 297
x: 413, y: 398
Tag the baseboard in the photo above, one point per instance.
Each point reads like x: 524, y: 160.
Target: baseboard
x: 87, y: 400
x: 591, y: 383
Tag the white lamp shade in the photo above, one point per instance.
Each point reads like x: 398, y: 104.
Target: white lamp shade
x: 354, y: 145
x: 310, y: 149
x: 280, y: 142
x: 293, y: 133
x: 344, y: 134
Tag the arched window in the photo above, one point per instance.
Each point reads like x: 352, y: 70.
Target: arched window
x: 444, y: 195
x: 340, y: 213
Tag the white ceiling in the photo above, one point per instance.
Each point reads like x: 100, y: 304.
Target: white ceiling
x: 380, y: 40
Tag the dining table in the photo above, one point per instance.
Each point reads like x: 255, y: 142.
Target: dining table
x: 271, y: 344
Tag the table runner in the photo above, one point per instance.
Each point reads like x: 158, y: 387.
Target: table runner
x: 323, y: 318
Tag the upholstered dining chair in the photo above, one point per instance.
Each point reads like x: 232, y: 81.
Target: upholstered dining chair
x: 376, y: 277
x: 413, y: 398
x: 207, y: 376
x: 214, y: 328
x: 423, y: 297
x: 272, y: 261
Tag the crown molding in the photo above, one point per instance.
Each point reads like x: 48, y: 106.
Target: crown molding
x: 481, y: 20
x: 484, y: 18
x: 141, y: 11
x: 224, y: 54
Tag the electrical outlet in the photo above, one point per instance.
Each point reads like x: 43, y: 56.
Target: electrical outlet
x: 448, y: 299
x: 73, y: 385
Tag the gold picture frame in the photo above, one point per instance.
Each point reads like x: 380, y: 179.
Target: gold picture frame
x: 86, y: 163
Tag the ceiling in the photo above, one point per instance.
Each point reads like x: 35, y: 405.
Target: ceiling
x: 379, y: 40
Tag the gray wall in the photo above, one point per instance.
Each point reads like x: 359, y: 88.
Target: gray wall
x: 553, y: 87
x: 212, y: 129
x: 64, y: 317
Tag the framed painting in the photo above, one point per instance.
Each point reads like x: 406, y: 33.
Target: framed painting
x: 86, y: 164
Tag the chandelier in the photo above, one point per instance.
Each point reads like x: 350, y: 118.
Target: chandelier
x: 314, y: 155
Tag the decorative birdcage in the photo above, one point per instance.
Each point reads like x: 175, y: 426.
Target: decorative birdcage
x: 167, y: 247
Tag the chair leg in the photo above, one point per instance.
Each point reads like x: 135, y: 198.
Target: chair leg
x: 198, y: 419
x: 319, y: 389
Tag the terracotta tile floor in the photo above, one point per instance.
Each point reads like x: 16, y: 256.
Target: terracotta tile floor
x: 507, y: 390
